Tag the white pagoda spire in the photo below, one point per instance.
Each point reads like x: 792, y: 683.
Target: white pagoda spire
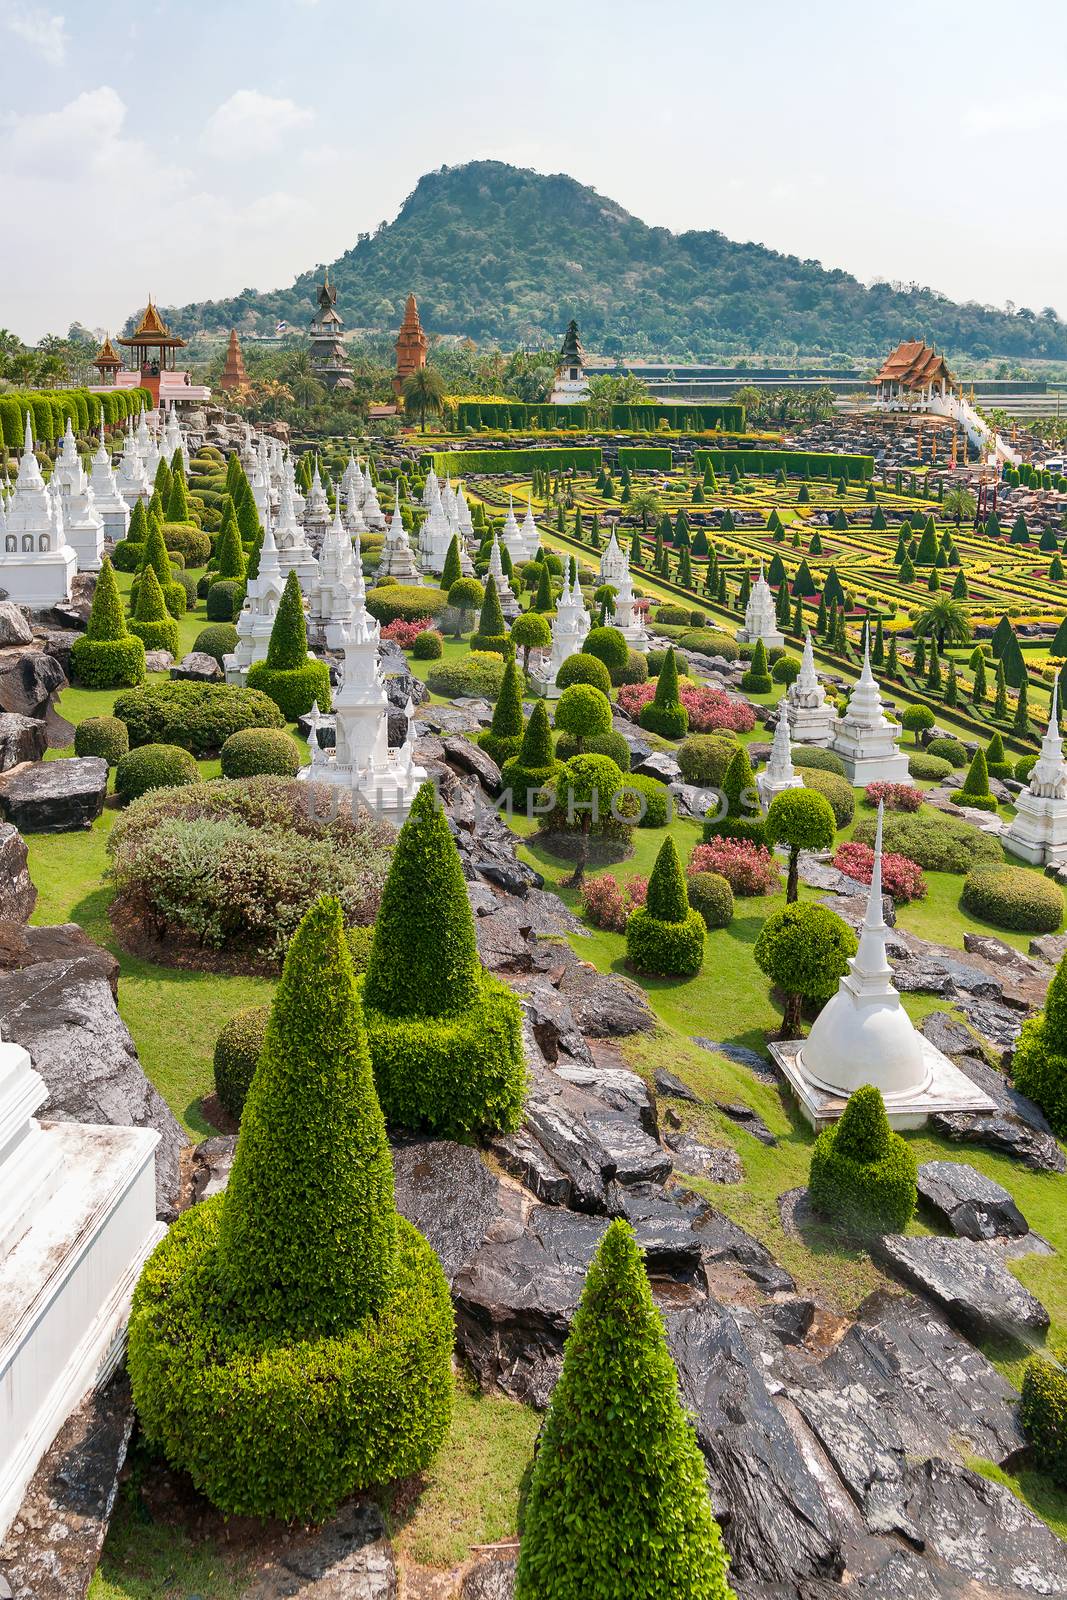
x: 779, y: 774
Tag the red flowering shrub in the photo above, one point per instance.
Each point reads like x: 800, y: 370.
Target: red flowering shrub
x: 895, y: 796
x: 901, y: 877
x: 607, y: 905
x: 709, y: 709
x: 405, y: 633
x: 748, y: 868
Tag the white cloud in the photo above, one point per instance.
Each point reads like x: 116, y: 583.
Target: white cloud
x: 250, y: 123
x: 1018, y: 114
x: 45, y: 34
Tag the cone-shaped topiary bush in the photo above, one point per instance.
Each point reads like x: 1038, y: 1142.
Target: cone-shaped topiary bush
x: 452, y: 570
x: 292, y: 679
x: 997, y: 763
x: 152, y: 623
x: 502, y: 738
x: 665, y: 714
x: 737, y: 815
x: 298, y: 1304
x: 177, y: 500
x: 665, y: 936
x: 492, y: 631
x: 535, y: 766
x: 862, y: 1173
x: 107, y: 656
x: 618, y: 1503
x: 975, y: 789
x: 229, y: 552
x: 157, y: 556
x: 445, y: 1036
x: 757, y: 680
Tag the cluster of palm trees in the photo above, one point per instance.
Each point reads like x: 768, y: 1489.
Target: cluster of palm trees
x: 52, y: 363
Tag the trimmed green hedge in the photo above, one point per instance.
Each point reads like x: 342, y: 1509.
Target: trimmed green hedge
x: 255, y: 751
x: 711, y: 895
x: 934, y: 840
x: 107, y: 663
x: 475, y: 674
x: 862, y: 1173
x: 812, y: 756
x: 50, y: 409
x: 398, y: 602
x: 1013, y: 897
x: 462, y: 463
x: 218, y: 639
x: 837, y: 790
x: 646, y: 458
x: 293, y: 690
x: 198, y: 716
x: 796, y: 463
x: 515, y: 415
x: 102, y: 736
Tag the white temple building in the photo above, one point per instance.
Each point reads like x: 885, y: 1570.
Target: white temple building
x: 82, y: 523
x: 77, y: 1222
x: 522, y: 543
x: 1038, y: 830
x: 109, y: 503
x: 863, y: 1035
x: 37, y: 564
x: 504, y: 592
x: 811, y: 716
x: 613, y: 563
x: 398, y: 558
x: 779, y: 774
x: 761, y: 621
x: 373, y: 515
x: 570, y: 627
x: 330, y: 602
x: 627, y: 618
x: 294, y: 552
x: 316, y: 516
x: 256, y: 617
x: 133, y: 484
x: 385, y: 780
x: 865, y: 738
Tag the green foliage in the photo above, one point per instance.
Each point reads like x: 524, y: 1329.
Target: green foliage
x: 224, y: 600
x: 428, y: 645
x: 711, y: 895
x: 862, y: 1173
x: 950, y: 750
x: 1013, y: 897
x: 535, y: 766
x: 583, y: 711
x: 502, y: 738
x: 178, y: 501
x: 107, y: 620
x: 491, y: 624
x: 652, y: 792
x: 823, y: 760
x: 198, y: 716
x: 106, y: 656
x: 609, y: 646
x: 917, y: 718
x: 260, y: 750
x: 665, y: 714
x: 802, y: 819
x: 704, y: 758
x: 288, y: 646
x: 187, y: 542
x: 582, y: 668
x: 976, y: 783
x: 1039, y: 1065
x: 1043, y: 1414
x: 153, y: 766
x: 804, y: 950
x: 530, y: 631
x: 479, y: 673
x: 217, y: 640
x: 151, y: 621
x: 237, y: 1052
x: 229, y: 552
x: 102, y: 736
x: 665, y: 936
x: 406, y: 602
x: 757, y: 680
x: 837, y: 791
x: 934, y: 841
x: 618, y: 1504
x: 741, y: 816
x: 925, y: 766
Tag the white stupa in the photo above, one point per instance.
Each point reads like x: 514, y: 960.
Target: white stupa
x: 77, y: 1222
x: 294, y: 552
x: 330, y: 602
x: 505, y: 594
x: 352, y: 478
x: 512, y: 537
x: 130, y: 475
x: 174, y: 439
x: 431, y: 488
x: 779, y: 773
x: 435, y: 536
x: 863, y: 1035
x: 37, y: 564
x: 398, y: 558
x: 865, y: 738
x: 109, y: 503
x: 627, y: 618
x: 463, y: 517
x: 316, y: 517
x: 354, y: 519
x: 361, y: 761
x: 373, y: 515
x: 83, y: 524
x: 811, y: 716
x: 570, y: 626
x: 761, y: 621
x: 613, y: 563
x: 1038, y: 830
x: 256, y: 617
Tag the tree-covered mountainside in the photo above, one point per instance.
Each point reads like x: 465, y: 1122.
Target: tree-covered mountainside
x: 504, y: 254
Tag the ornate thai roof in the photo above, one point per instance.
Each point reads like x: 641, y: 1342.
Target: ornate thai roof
x: 572, y: 354
x: 152, y: 330
x: 107, y: 356
x: 913, y: 364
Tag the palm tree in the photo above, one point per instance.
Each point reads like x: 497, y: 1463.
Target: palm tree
x: 424, y: 392
x: 944, y: 619
x: 958, y: 503
x: 273, y: 394
x: 646, y: 504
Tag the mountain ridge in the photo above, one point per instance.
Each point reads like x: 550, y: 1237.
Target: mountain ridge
x: 505, y: 254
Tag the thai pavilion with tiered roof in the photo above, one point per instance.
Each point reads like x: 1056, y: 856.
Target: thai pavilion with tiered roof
x: 912, y: 374
x: 327, y: 346
x: 107, y: 361
x: 571, y: 384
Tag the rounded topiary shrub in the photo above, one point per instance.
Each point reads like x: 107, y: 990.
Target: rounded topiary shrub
x: 198, y: 716
x: 582, y: 668
x: 260, y: 750
x: 153, y: 766
x: 609, y: 646
x: 330, y: 1352
x: 950, y: 750
x: 809, y: 755
x: 922, y: 765
x: 187, y: 541
x: 862, y: 1173
x: 672, y: 616
x: 445, y: 1036
x: 218, y: 640
x: 838, y: 791
x: 399, y: 602
x: 635, y: 670
x: 709, y: 642
x: 655, y: 797
x: 478, y: 675
x: 711, y: 895
x: 598, y: 744
x: 654, y: 661
x: 704, y: 758
x: 102, y: 736
x: 237, y: 1052
x: 1043, y: 1414
x: 225, y: 598
x: 786, y: 669
x: 127, y: 555
x: 1013, y: 897
x: 665, y: 936
x: 427, y: 645
x: 934, y: 841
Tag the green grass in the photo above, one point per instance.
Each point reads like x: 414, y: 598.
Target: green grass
x: 144, y: 1559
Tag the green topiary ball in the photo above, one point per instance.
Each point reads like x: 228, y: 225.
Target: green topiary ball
x: 153, y: 766
x: 1013, y: 897
x: 711, y: 895
x: 838, y: 791
x: 1043, y: 1414
x: 102, y: 736
x: 932, y: 768
x: 704, y: 758
x: 609, y: 646
x: 260, y: 750
x: 862, y: 1173
x: 428, y: 645
x: 635, y: 670
x: 237, y: 1052
x: 218, y: 640
x: 224, y: 600
x: 950, y: 750
x: 586, y: 669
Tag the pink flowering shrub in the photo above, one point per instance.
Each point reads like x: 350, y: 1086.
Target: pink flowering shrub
x: 607, y: 905
x: 901, y: 877
x: 748, y: 868
x: 709, y: 709
x: 895, y: 796
x: 405, y: 633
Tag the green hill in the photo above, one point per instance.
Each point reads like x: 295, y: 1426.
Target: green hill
x: 504, y: 254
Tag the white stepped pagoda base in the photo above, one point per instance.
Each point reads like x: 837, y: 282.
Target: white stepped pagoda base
x: 889, y: 766
x: 38, y: 580
x: 388, y: 792
x: 87, y: 542
x: 66, y: 1285
x: 1038, y: 831
x: 946, y: 1089
x: 810, y: 724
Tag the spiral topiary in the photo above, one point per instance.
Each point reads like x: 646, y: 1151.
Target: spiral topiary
x: 862, y: 1173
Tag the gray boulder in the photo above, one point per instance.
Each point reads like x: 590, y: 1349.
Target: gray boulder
x: 197, y: 667
x: 969, y: 1203
x: 14, y: 629
x: 969, y: 1283
x: 21, y: 739
x: 473, y: 760
x: 718, y: 1163
x: 55, y: 796
x: 660, y: 764
x: 58, y: 643
x: 28, y: 681
x: 449, y: 1194
x: 347, y: 1558
x: 158, y: 660
x: 17, y: 893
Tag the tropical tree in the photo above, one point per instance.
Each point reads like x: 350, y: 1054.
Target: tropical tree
x: 424, y: 393
x: 958, y: 504
x: 945, y: 620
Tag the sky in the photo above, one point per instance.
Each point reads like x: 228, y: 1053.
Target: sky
x: 194, y: 149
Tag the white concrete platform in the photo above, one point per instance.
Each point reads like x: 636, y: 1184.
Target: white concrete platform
x: 946, y: 1089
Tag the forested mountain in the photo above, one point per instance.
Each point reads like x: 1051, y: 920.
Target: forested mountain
x: 504, y: 254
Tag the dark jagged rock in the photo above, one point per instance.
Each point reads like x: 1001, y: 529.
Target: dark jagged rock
x: 748, y: 1119
x: 52, y: 1547
x: 777, y: 1524
x: 21, y: 739
x: 999, y: 953
x: 28, y: 681
x: 450, y: 1195
x: 515, y: 1301
x: 22, y: 945
x: 719, y: 1163
x: 666, y: 1223
x: 55, y: 796
x: 74, y: 613
x: 347, y: 1558
x: 503, y: 937
x: 1006, y: 1134
x: 667, y: 1084
x: 974, y: 1288
x: 724, y: 1241
x: 63, y: 1012
x: 522, y: 1155
x: 789, y: 1319
x: 982, y: 1530
x: 490, y: 1578
x: 604, y: 1004
x: 660, y: 765
x: 58, y: 643
x: 555, y: 1028
x: 17, y: 893
x: 14, y: 629
x: 197, y: 667
x: 616, y: 1087
x: 969, y: 1203
x: 476, y: 762
x: 998, y: 1024
x: 1049, y: 948
x: 210, y: 1165
x: 741, y: 1056
x: 948, y: 1035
